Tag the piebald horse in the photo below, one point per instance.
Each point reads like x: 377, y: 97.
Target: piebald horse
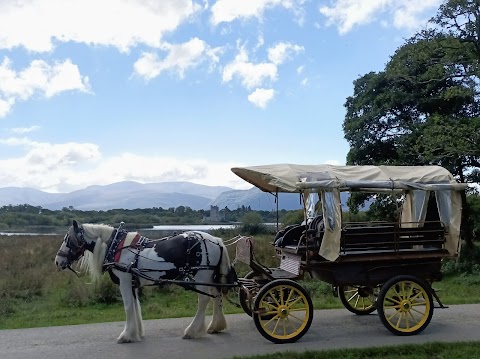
x: 134, y: 261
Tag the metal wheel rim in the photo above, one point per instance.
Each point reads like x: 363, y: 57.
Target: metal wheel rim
x: 406, y: 306
x: 290, y: 310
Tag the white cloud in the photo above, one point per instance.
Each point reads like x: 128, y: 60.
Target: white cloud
x: 179, y: 59
x: 38, y: 24
x: 282, y: 51
x: 70, y: 166
x: 22, y: 130
x: 230, y: 10
x: 251, y: 75
x: 261, y: 97
x: 39, y: 77
x: 255, y: 75
x: 346, y: 14
x: 6, y: 105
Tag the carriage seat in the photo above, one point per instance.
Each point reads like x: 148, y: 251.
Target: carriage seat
x: 389, y: 237
x: 300, y: 239
x: 290, y: 235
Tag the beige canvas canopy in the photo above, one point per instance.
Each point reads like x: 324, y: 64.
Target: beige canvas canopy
x: 296, y: 178
x: 328, y: 180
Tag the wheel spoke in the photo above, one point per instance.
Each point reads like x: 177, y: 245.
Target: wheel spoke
x: 356, y: 302
x: 291, y: 324
x: 399, y: 319
x: 271, y: 320
x: 402, y: 290
x: 297, y: 318
x: 395, y: 292
x: 416, y: 304
x: 290, y: 295
x: 407, y: 323
x: 270, y: 313
x: 392, y: 306
x: 394, y: 314
x: 416, y: 296
x: 272, y: 295
x: 419, y: 312
x: 411, y: 291
x: 414, y: 319
x: 298, y: 309
x: 276, y: 325
x: 294, y: 302
x: 353, y: 296
x: 392, y: 300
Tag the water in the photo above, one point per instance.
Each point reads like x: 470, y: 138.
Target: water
x: 190, y: 227
x: 26, y: 234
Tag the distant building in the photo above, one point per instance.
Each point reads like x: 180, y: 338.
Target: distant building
x: 215, y: 215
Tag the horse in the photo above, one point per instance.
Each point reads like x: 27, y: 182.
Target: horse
x: 195, y: 260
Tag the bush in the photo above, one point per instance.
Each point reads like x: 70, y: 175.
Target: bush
x: 252, y: 223
x: 468, y: 262
x: 105, y: 291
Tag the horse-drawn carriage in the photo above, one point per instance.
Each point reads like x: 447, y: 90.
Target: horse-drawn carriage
x: 383, y: 266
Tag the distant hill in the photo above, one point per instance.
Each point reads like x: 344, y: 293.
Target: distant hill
x: 127, y: 195
x: 132, y: 195
x: 257, y: 200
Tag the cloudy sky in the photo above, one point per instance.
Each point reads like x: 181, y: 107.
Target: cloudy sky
x: 96, y: 92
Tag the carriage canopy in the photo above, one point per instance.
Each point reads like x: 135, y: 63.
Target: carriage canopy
x: 415, y: 182
x: 296, y: 178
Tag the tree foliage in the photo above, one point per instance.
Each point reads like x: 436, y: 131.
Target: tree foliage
x: 424, y: 107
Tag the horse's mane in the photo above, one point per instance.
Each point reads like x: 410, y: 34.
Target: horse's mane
x: 92, y: 262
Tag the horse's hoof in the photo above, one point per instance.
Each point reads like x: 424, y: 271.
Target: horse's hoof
x: 215, y: 331
x: 187, y: 336
x: 123, y: 340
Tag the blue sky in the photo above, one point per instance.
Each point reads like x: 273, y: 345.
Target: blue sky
x: 96, y: 92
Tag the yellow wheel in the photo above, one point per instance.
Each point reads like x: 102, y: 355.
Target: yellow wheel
x: 358, y: 299
x: 405, y: 305
x: 283, y: 311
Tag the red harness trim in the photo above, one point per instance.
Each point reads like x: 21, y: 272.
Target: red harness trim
x: 118, y: 252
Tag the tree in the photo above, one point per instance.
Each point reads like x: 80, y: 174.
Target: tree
x: 424, y: 108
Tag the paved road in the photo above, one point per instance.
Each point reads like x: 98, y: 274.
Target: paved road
x: 330, y: 329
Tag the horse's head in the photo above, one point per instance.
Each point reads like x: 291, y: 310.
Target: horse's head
x: 72, y: 248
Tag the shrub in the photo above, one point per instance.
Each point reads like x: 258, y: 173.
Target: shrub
x: 105, y: 291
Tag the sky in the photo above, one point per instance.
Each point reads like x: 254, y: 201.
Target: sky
x: 96, y: 92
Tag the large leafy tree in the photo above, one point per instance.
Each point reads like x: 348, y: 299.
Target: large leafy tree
x: 424, y: 108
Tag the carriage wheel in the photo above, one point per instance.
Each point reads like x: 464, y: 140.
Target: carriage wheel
x: 243, y: 296
x: 405, y: 305
x: 283, y: 311
x: 358, y: 299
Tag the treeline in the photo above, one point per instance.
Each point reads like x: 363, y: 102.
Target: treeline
x: 25, y: 216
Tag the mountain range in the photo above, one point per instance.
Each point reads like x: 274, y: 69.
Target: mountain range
x: 131, y: 195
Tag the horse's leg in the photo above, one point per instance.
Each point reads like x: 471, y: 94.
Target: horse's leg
x: 131, y: 331
x: 138, y: 310
x: 218, y: 322
x: 196, y: 328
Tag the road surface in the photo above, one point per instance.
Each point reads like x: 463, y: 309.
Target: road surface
x: 330, y: 329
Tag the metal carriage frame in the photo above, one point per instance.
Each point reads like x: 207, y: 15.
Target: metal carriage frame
x: 388, y: 267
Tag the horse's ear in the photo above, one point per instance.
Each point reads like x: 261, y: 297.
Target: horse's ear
x: 75, y: 225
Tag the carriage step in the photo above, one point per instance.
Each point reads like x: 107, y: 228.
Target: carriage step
x: 278, y: 273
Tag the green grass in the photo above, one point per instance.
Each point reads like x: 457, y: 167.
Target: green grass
x: 459, y: 350
x: 34, y: 294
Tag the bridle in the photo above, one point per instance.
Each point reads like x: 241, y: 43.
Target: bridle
x: 76, y: 245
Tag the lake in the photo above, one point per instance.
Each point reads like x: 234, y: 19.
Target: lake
x: 191, y: 227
